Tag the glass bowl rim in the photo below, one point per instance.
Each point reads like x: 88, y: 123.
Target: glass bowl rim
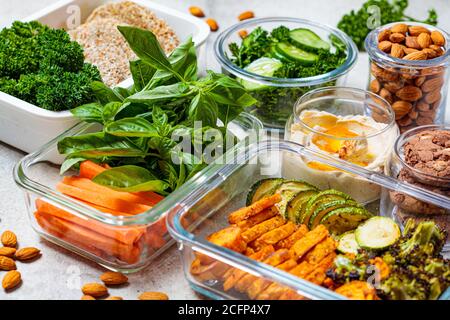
x: 352, y: 53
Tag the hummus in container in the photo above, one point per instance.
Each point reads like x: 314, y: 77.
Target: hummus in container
x: 343, y: 132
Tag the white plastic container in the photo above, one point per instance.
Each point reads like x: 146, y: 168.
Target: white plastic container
x: 26, y: 126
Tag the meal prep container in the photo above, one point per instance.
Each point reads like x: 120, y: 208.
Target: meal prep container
x: 341, y: 101
x: 410, y: 207
x: 393, y: 74
x: 28, y: 127
x: 283, y: 92
x: 123, y: 243
x: 224, y: 188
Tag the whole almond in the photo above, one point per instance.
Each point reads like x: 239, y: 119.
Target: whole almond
x: 432, y: 96
x: 437, y: 38
x: 401, y: 108
x: 423, y: 121
x: 432, y: 71
x: 384, y: 35
x: 114, y: 298
x: 7, y: 252
x: 243, y: 33
x: 431, y: 54
x: 399, y: 28
x: 11, y: 279
x: 153, y: 296
x: 432, y: 84
x: 385, y: 46
x: 409, y: 50
x: 7, y: 264
x: 383, y: 74
x: 409, y: 93
x: 438, y: 49
x: 413, y: 114
x: 246, y: 15
x: 418, y: 55
x: 212, y: 24
x: 416, y: 30
x: 95, y: 290
x: 196, y: 11
x: 86, y: 297
x: 419, y: 81
x: 422, y: 106
x: 393, y: 86
x: 9, y: 239
x: 397, y: 37
x: 405, y: 121
x: 27, y: 253
x: 375, y: 86
x: 412, y: 42
x: 385, y: 94
x: 113, y: 278
x: 397, y: 50
x: 424, y: 40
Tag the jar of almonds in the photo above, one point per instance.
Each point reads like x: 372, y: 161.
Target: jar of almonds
x: 409, y: 68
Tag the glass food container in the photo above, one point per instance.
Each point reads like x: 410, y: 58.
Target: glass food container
x: 416, y: 87
x: 224, y: 188
x: 349, y: 124
x: 276, y: 96
x: 125, y: 243
x: 434, y: 180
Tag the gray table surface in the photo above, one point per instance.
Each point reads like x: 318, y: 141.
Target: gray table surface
x: 59, y: 274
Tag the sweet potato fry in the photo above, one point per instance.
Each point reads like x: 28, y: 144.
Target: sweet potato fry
x: 263, y: 227
x: 290, y: 294
x: 293, y: 238
x: 232, y: 276
x: 260, y: 217
x: 275, y: 235
x: 212, y: 271
x: 261, y: 284
x: 275, y: 259
x: 321, y: 250
x: 254, y: 209
x: 229, y: 238
x: 358, y: 290
x: 302, y: 246
x: 272, y: 292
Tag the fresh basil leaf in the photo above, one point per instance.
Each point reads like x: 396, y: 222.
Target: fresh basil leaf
x: 91, y: 112
x: 103, y: 93
x: 162, y: 145
x: 146, y: 46
x: 170, y: 173
x: 142, y: 73
x: 69, y: 163
x: 98, y: 145
x: 112, y: 109
x: 161, y: 94
x: 130, y: 178
x: 203, y: 108
x: 131, y: 127
x: 122, y: 92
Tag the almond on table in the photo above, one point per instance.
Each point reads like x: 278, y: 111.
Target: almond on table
x: 95, y: 290
x: 212, y: 24
x: 113, y: 278
x: 196, y: 11
x: 11, y: 280
x: 246, y: 15
x: 9, y: 239
x: 27, y: 253
x: 150, y: 295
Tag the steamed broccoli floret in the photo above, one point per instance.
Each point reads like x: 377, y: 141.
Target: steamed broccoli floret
x: 44, y: 67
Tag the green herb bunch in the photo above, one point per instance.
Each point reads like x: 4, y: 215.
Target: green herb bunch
x: 139, y: 124
x: 355, y: 22
x: 44, y: 67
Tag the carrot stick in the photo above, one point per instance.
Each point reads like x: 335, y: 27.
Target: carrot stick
x: 107, y: 200
x: 74, y: 233
x: 255, y: 208
x: 126, y: 235
x: 89, y: 169
x: 106, y: 210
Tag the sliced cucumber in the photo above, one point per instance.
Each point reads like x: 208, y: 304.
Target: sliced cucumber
x: 342, y: 220
x: 308, y: 39
x: 263, y: 188
x: 322, y: 197
x: 288, y: 190
x: 326, y: 206
x: 347, y: 243
x: 263, y: 67
x: 286, y: 197
x: 296, y: 54
x: 377, y: 233
x: 297, y: 205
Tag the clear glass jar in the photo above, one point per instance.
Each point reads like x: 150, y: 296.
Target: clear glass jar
x: 407, y: 206
x: 276, y: 96
x: 417, y: 89
x: 348, y: 124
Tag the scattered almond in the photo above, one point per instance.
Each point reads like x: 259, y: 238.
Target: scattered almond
x: 409, y: 93
x: 7, y: 264
x: 424, y: 40
x: 399, y: 28
x: 246, y: 15
x: 397, y: 37
x: 196, y: 11
x: 416, y: 30
x: 437, y: 38
x: 9, y: 239
x: 418, y: 55
x: 11, y: 279
x: 212, y: 24
x: 113, y: 278
x: 95, y: 290
x: 86, y: 297
x: 153, y: 296
x: 27, y: 253
x: 7, y: 252
x: 401, y: 108
x: 397, y: 51
x: 114, y: 298
x: 243, y: 34
x: 385, y: 46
